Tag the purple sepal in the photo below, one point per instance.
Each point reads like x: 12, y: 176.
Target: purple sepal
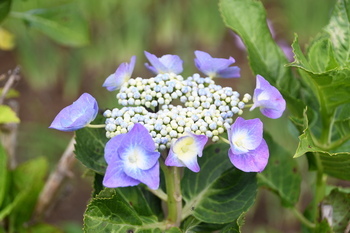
x: 184, y: 151
x: 165, y: 64
x: 132, y: 159
x: 121, y: 75
x: 268, y: 99
x: 248, y: 151
x: 76, y: 115
x: 216, y: 67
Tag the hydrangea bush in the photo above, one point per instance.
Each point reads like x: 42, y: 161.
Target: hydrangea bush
x: 177, y: 153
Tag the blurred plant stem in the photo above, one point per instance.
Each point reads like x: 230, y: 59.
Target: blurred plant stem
x: 55, y: 181
x: 9, y: 130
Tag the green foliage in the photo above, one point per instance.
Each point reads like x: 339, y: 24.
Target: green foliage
x: 62, y: 24
x: 5, y: 7
x: 89, y: 147
x: 7, y: 115
x: 281, y: 174
x: 25, y: 184
x: 340, y: 203
x: 3, y: 174
x: 248, y: 20
x: 218, y: 193
x: 110, y: 212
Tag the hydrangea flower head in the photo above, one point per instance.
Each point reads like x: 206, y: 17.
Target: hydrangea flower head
x: 248, y: 151
x: 268, y: 99
x: 77, y: 115
x: 132, y: 159
x: 184, y: 151
x: 216, y: 67
x: 165, y: 64
x: 120, y: 76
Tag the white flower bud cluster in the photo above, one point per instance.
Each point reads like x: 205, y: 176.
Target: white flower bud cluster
x: 208, y: 108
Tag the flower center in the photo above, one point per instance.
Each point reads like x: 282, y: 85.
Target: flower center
x: 133, y: 156
x: 184, y: 147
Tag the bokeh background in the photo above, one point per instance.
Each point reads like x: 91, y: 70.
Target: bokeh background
x: 58, y: 65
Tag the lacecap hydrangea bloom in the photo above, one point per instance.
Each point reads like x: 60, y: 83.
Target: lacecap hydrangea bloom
x: 175, y: 116
x: 77, y: 115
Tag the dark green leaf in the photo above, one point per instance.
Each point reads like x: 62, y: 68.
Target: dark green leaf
x: 219, y: 192
x: 97, y: 185
x: 5, y: 6
x: 136, y: 199
x: 109, y: 212
x: 248, y: 19
x: 333, y: 164
x: 340, y: 203
x: 28, y: 180
x: 89, y: 147
x: 64, y: 24
x: 3, y: 174
x: 281, y: 174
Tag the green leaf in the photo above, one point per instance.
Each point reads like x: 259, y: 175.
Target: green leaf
x: 3, y: 174
x: 338, y: 31
x: 219, y: 192
x: 135, y: 197
x: 12, y: 93
x: 281, y: 174
x: 234, y: 227
x: 7, y: 115
x: 334, y: 164
x: 248, y: 19
x: 5, y: 6
x: 64, y: 24
x: 42, y: 228
x: 28, y: 180
x: 89, y: 147
x: 340, y: 203
x: 109, y: 212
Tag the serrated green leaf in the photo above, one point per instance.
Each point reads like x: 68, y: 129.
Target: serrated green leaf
x: 64, y: 24
x: 89, y: 147
x: 3, y: 174
x: 7, y: 115
x: 136, y: 199
x: 219, y: 192
x: 340, y: 203
x: 281, y: 174
x: 338, y: 30
x: 109, y: 212
x: 248, y: 19
x: 234, y: 227
x: 334, y: 164
x: 5, y: 6
x: 28, y: 180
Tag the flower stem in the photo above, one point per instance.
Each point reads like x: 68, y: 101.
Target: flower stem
x: 159, y: 193
x: 173, y: 189
x: 224, y: 140
x: 302, y: 218
x: 248, y: 105
x: 96, y: 126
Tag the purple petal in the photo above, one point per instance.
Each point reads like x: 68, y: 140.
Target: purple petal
x: 172, y: 160
x: 76, y: 115
x: 252, y: 161
x: 216, y: 67
x: 121, y: 75
x: 149, y: 177
x: 111, y: 148
x: 165, y: 64
x: 268, y: 98
x: 245, y: 135
x: 116, y: 177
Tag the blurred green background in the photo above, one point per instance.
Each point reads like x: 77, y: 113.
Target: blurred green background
x: 67, y: 47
